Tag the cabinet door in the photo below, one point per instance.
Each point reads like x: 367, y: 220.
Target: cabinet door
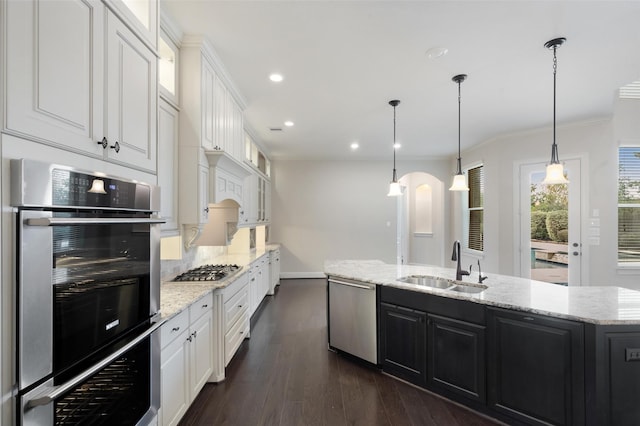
x: 249, y: 215
x: 267, y: 201
x: 208, y: 141
x: 132, y: 95
x: 168, y: 164
x: 54, y: 72
x: 174, y: 377
x: 203, y: 194
x: 142, y: 15
x: 253, y: 291
x: 220, y: 112
x: 456, y: 356
x: 201, y: 352
x: 403, y: 339
x: 536, y: 367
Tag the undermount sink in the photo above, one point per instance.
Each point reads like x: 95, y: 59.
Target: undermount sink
x: 425, y: 281
x: 428, y: 281
x: 467, y: 288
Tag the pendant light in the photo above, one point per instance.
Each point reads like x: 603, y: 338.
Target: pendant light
x: 555, y: 170
x: 459, y: 180
x: 394, y: 186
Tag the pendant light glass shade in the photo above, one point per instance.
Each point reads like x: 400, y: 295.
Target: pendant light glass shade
x: 459, y: 183
x: 394, y: 187
x: 555, y: 170
x: 555, y: 175
x: 459, y: 180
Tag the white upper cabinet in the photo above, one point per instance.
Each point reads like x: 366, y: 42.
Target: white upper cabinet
x: 141, y: 15
x: 132, y: 98
x: 207, y: 100
x: 168, y: 127
x: 209, y: 81
x: 54, y: 72
x: 169, y: 69
x: 77, y: 76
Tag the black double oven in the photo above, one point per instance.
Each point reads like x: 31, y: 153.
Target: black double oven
x: 87, y: 297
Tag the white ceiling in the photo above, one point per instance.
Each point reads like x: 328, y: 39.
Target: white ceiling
x: 344, y: 60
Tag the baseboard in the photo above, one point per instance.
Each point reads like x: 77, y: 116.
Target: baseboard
x: 297, y: 275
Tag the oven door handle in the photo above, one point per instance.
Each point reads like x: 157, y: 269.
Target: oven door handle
x: 63, y: 221
x: 50, y: 394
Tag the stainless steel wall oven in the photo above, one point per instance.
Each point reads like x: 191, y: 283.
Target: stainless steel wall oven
x: 87, y: 296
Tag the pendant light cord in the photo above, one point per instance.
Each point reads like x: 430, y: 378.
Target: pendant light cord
x: 459, y: 102
x: 554, y: 147
x: 395, y: 176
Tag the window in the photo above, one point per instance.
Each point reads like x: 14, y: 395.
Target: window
x: 475, y: 209
x: 628, y: 205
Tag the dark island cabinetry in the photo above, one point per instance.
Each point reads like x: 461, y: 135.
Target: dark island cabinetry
x: 403, y: 341
x: 613, y: 386
x: 536, y: 367
x: 433, y: 342
x: 456, y: 356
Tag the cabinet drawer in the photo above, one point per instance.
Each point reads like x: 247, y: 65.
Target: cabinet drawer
x: 236, y: 307
x: 234, y: 337
x: 238, y: 284
x: 200, y: 307
x: 174, y: 327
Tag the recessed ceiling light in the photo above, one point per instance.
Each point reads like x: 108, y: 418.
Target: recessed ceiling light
x: 288, y: 123
x: 396, y: 145
x: 276, y: 78
x: 354, y: 146
x: 436, y: 52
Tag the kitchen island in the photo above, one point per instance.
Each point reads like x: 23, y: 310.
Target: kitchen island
x: 523, y: 351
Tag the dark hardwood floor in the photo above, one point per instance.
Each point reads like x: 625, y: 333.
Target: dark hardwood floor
x: 285, y: 375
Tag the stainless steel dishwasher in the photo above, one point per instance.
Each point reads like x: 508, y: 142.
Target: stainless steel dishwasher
x: 352, y: 318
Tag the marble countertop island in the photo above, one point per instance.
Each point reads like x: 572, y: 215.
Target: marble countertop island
x: 605, y: 305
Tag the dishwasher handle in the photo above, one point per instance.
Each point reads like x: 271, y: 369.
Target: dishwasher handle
x: 362, y: 286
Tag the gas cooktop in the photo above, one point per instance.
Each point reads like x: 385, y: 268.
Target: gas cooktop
x: 208, y: 273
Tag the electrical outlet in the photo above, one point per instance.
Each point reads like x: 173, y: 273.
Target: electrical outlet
x: 632, y: 354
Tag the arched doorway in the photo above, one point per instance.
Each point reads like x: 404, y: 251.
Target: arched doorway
x: 421, y: 220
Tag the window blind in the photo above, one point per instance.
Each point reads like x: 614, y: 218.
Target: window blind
x: 628, y: 204
x: 476, y: 208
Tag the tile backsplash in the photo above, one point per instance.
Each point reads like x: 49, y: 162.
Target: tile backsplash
x: 191, y: 258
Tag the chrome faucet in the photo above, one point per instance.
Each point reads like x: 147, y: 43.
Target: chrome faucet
x: 456, y: 257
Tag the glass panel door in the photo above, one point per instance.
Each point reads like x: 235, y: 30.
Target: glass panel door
x: 550, y: 237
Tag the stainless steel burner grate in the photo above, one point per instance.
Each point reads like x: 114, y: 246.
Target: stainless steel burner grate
x: 208, y: 273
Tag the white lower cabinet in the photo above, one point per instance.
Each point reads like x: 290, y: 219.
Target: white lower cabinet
x: 186, y: 358
x: 237, y: 321
x: 258, y: 282
x: 274, y: 270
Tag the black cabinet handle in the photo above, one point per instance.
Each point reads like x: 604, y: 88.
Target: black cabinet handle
x: 103, y: 142
x: 175, y: 329
x: 115, y: 147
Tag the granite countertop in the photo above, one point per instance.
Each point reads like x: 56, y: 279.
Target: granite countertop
x: 175, y: 296
x: 597, y: 305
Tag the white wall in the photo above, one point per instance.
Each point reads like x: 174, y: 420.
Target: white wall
x: 327, y: 209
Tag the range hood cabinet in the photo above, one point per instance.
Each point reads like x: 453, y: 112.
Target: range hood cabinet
x: 226, y: 177
x: 222, y: 224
